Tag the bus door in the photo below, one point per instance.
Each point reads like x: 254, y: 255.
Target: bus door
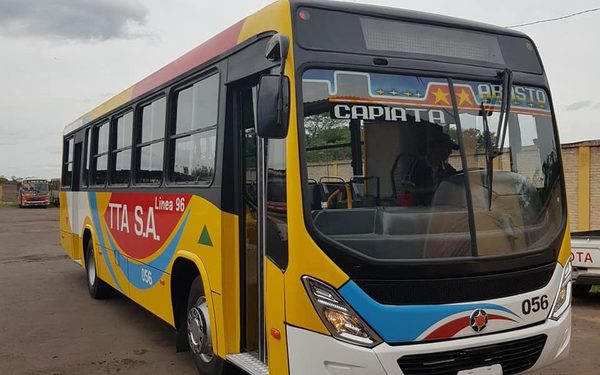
x: 74, y: 211
x: 252, y: 291
x: 260, y: 202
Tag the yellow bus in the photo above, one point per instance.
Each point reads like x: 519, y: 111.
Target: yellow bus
x: 333, y: 188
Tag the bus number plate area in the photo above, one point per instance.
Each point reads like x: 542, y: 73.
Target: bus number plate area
x: 488, y: 370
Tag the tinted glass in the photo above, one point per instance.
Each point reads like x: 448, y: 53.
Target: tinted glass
x: 151, y: 164
x: 526, y: 185
x: 123, y: 130
x: 70, y: 146
x: 386, y: 168
x: 197, y: 106
x: 101, y: 170
x: 86, y: 166
x: 327, y: 30
x: 195, y: 158
x: 153, y: 120
x: 120, y: 173
x: 102, y: 135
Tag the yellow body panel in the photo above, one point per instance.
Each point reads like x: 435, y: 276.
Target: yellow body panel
x: 275, y: 319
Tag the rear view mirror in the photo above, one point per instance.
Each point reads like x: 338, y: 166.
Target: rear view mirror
x: 273, y: 111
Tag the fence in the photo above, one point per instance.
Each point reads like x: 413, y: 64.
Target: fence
x: 8, y: 193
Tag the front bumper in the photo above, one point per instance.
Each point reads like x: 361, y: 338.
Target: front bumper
x: 313, y: 353
x: 35, y: 203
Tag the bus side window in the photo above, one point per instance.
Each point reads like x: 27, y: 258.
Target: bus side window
x: 150, y: 143
x: 85, y: 178
x: 121, y: 160
x: 67, y: 175
x: 100, y: 154
x: 194, y: 136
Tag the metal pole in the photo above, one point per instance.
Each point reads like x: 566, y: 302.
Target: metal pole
x: 262, y: 214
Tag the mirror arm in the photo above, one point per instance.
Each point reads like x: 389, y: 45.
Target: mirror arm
x: 280, y: 92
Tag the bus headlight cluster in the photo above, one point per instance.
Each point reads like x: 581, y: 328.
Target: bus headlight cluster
x: 563, y: 297
x: 339, y: 318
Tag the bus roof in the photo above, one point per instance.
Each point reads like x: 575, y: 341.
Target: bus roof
x: 408, y: 15
x: 262, y: 21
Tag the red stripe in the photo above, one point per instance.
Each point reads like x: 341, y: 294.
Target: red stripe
x: 499, y: 317
x: 199, y: 55
x: 450, y: 329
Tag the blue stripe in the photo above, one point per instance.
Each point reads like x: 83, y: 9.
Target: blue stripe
x: 134, y: 269
x: 96, y: 218
x: 396, y: 324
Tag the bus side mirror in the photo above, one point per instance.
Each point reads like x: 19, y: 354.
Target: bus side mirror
x: 273, y: 112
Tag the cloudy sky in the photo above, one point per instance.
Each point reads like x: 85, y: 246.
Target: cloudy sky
x: 61, y: 58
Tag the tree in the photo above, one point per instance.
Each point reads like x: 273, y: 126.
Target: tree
x: 323, y: 134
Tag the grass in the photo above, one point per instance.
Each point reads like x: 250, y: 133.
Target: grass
x: 595, y: 289
x: 8, y: 205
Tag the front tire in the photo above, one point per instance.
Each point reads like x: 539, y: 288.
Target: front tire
x: 199, y: 332
x: 98, y: 289
x: 581, y: 291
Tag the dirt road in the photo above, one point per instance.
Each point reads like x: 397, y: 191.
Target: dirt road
x: 49, y: 324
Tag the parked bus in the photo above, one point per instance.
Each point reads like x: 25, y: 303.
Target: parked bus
x: 33, y: 192
x: 334, y: 188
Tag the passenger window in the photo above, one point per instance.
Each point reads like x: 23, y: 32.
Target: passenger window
x: 195, y: 134
x: 86, y: 165
x: 68, y: 163
x: 121, y: 161
x: 150, y: 145
x: 100, y: 154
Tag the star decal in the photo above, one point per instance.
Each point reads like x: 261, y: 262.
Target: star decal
x: 407, y: 93
x: 394, y: 92
x: 380, y: 92
x: 441, y: 97
x: 464, y: 98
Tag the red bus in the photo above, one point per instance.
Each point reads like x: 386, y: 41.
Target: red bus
x: 33, y: 192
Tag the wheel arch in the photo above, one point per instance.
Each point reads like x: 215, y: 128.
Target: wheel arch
x: 186, y: 267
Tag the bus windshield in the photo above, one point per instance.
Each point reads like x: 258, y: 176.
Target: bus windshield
x: 397, y: 169
x: 35, y: 186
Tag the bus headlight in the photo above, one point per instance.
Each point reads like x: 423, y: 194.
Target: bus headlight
x: 563, y: 297
x: 339, y: 318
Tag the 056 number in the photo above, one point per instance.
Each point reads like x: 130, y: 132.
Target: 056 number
x: 147, y: 276
x: 534, y: 305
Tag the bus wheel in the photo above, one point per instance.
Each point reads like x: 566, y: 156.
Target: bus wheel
x: 199, y: 332
x: 581, y: 291
x: 98, y: 289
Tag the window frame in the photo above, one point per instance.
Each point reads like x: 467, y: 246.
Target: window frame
x: 137, y: 145
x: 114, y: 151
x: 86, y: 165
x: 95, y: 155
x: 172, y: 136
x: 68, y: 160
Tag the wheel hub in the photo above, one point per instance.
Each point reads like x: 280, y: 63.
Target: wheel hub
x: 198, y: 329
x: 92, y: 272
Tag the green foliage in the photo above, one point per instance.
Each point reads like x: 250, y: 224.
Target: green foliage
x: 323, y: 131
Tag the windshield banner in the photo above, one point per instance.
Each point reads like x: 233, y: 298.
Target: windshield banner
x: 387, y: 97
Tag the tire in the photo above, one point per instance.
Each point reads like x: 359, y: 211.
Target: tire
x: 98, y: 289
x: 198, y: 330
x: 581, y: 291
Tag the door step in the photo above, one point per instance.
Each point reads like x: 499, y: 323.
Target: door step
x: 248, y: 363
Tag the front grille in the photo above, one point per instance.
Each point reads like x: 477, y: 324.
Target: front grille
x: 514, y: 356
x: 457, y: 290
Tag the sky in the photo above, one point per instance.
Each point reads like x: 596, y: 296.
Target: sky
x: 61, y: 58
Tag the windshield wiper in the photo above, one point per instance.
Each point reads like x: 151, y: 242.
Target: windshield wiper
x: 495, y: 149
